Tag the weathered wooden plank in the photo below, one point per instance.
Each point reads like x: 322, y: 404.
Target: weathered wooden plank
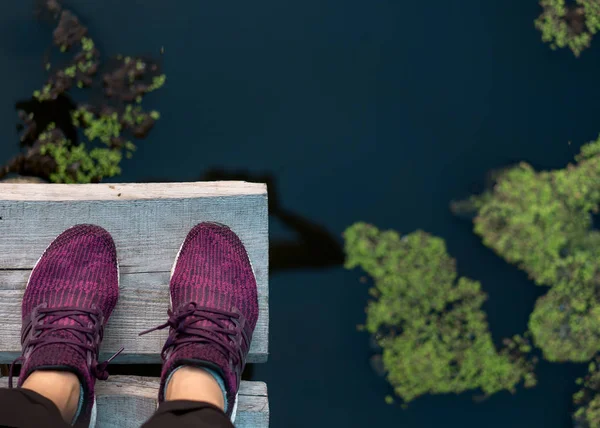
x: 128, y: 191
x: 148, y: 222
x: 128, y: 401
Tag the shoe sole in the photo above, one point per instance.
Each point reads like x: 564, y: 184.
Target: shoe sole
x: 235, y: 403
x: 94, y: 410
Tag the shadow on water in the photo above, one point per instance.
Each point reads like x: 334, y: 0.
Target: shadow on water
x: 314, y: 247
x: 45, y: 112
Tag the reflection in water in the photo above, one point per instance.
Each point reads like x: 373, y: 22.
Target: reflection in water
x: 315, y: 247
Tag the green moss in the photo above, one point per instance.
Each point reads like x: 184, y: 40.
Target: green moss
x: 541, y: 222
x: 44, y: 94
x: 76, y: 163
x: 92, y: 165
x: 129, y: 145
x: 566, y: 326
x: 84, y: 67
x: 71, y: 71
x: 589, y: 151
x: 157, y: 82
x: 127, y: 115
x: 87, y: 44
x: 429, y: 322
x: 82, y: 114
x: 557, y: 27
x: 103, y: 128
x: 587, y: 399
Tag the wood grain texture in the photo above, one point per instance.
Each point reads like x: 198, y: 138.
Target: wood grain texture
x: 11, y: 191
x: 148, y: 223
x: 129, y: 401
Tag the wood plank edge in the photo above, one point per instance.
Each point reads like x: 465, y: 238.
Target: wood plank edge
x: 139, y: 384
x: 253, y: 358
x: 127, y: 191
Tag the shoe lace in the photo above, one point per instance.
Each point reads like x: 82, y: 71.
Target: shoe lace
x: 87, y: 335
x: 182, y: 321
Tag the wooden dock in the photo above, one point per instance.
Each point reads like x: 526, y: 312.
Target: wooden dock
x: 148, y: 222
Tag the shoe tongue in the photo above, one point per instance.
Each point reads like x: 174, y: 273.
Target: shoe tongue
x: 207, y: 326
x: 52, y: 319
x: 210, y: 320
x: 210, y: 324
x: 59, y: 354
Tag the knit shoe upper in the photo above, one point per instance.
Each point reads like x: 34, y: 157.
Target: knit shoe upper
x: 214, y: 307
x: 70, y: 295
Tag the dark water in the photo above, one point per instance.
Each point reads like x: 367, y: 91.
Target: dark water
x: 377, y: 111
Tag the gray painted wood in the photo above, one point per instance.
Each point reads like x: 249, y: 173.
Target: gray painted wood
x: 148, y: 222
x: 129, y: 401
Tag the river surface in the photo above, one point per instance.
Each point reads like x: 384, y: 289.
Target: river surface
x: 374, y: 111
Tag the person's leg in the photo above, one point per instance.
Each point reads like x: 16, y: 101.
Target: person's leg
x: 192, y: 398
x: 62, y: 388
x: 192, y: 383
x: 69, y: 297
x: 26, y: 408
x: 214, y: 301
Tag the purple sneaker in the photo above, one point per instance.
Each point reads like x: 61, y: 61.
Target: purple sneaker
x: 214, y: 305
x: 72, y: 291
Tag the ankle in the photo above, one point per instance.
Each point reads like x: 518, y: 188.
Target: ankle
x: 61, y: 387
x: 195, y: 384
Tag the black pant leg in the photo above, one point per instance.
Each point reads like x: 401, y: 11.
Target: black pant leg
x: 184, y: 414
x: 23, y: 408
